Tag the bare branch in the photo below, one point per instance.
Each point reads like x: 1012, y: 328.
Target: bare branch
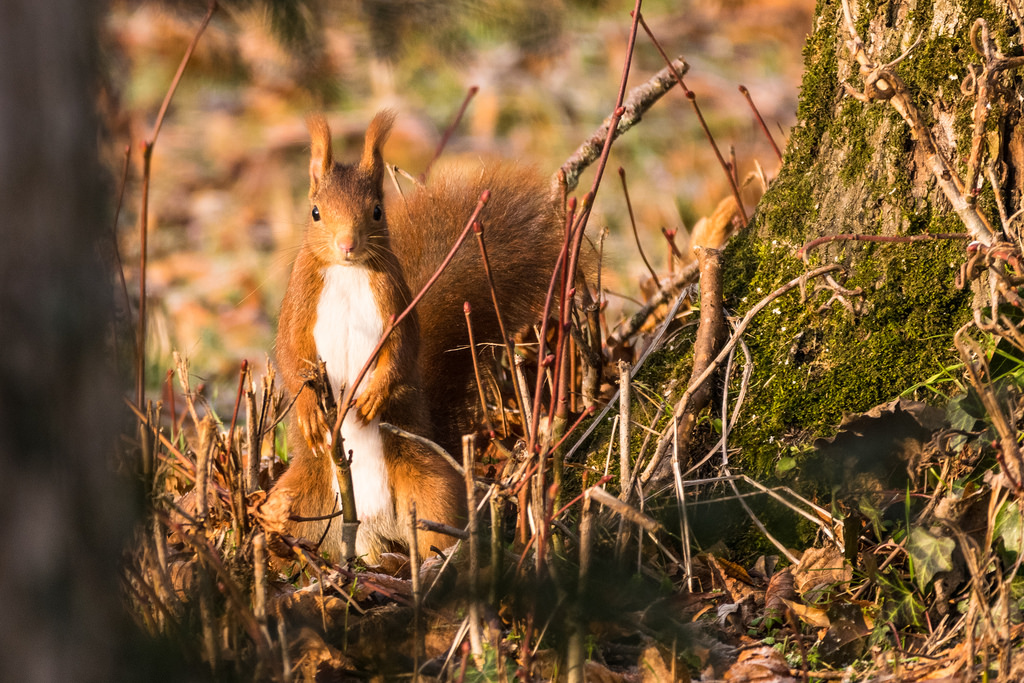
x: 639, y: 100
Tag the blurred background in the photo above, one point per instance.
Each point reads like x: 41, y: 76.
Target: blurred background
x: 229, y: 172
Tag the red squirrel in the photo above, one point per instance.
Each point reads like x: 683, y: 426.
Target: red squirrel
x: 360, y: 263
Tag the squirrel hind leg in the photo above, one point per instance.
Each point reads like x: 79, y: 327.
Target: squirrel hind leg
x: 439, y: 492
x: 304, y: 490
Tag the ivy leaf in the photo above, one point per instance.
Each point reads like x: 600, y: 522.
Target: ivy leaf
x: 931, y: 554
x: 1009, y: 528
x: 785, y: 464
x: 963, y: 412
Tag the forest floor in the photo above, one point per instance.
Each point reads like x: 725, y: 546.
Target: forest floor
x: 915, y: 580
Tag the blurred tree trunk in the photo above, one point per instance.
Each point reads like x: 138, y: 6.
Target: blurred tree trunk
x: 63, y: 512
x: 855, y: 167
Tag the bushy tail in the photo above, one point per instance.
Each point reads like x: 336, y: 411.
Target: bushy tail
x: 523, y: 233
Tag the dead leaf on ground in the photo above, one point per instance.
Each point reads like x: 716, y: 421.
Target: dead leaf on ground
x: 762, y: 664
x: 812, y: 616
x: 711, y: 232
x: 733, y: 579
x: 655, y: 666
x: 316, y: 660
x: 819, y: 570
x: 847, y: 635
x: 593, y: 672
x: 310, y: 608
x: 781, y: 589
x: 874, y: 450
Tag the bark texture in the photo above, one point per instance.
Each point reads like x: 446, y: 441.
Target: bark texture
x: 856, y: 167
x: 64, y: 514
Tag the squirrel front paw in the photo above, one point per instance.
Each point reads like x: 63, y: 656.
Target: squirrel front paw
x: 312, y: 422
x: 370, y: 403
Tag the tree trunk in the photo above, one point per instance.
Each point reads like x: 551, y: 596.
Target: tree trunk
x: 64, y: 514
x: 856, y: 167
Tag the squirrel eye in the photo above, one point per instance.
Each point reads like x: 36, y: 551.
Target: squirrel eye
x: 377, y: 212
x: 316, y: 213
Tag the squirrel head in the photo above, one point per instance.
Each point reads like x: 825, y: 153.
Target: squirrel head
x: 347, y: 222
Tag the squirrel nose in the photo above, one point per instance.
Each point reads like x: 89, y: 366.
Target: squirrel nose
x: 346, y: 247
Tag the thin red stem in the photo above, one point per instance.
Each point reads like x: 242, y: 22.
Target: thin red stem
x: 700, y: 117
x: 147, y: 157
x: 169, y: 388
x: 632, y: 221
x: 468, y: 310
x: 760, y: 121
x: 450, y: 130
x: 670, y: 237
x: 117, y: 217
x: 238, y: 402
x: 585, y: 414
x: 509, y: 350
x: 346, y: 402
x: 603, y: 480
x: 541, y: 339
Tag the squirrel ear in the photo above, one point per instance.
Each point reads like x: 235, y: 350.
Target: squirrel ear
x: 376, y: 135
x: 321, y: 158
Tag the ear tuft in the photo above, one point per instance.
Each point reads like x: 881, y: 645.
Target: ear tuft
x: 377, y: 134
x: 321, y: 158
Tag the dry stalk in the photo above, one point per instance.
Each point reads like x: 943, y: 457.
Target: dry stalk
x: 207, y: 441
x: 419, y: 646
x: 520, y: 389
x: 684, y: 522
x: 206, y: 619
x: 576, y: 652
x: 182, y: 367
x: 253, y: 438
x: 588, y: 342
x: 117, y: 216
x: 710, y: 335
x: 496, y: 546
x: 438, y: 527
x: 242, y: 373
x: 259, y: 582
x: 533, y: 444
x: 625, y: 422
x: 641, y: 98
x: 475, y: 631
x: 286, y: 661
x: 168, y: 598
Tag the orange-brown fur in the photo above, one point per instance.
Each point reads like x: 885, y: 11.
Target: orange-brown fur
x: 523, y: 237
x: 422, y: 378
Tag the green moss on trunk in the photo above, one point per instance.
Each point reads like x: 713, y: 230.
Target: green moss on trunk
x: 851, y: 167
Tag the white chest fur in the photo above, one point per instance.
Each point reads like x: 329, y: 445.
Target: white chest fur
x: 348, y: 327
